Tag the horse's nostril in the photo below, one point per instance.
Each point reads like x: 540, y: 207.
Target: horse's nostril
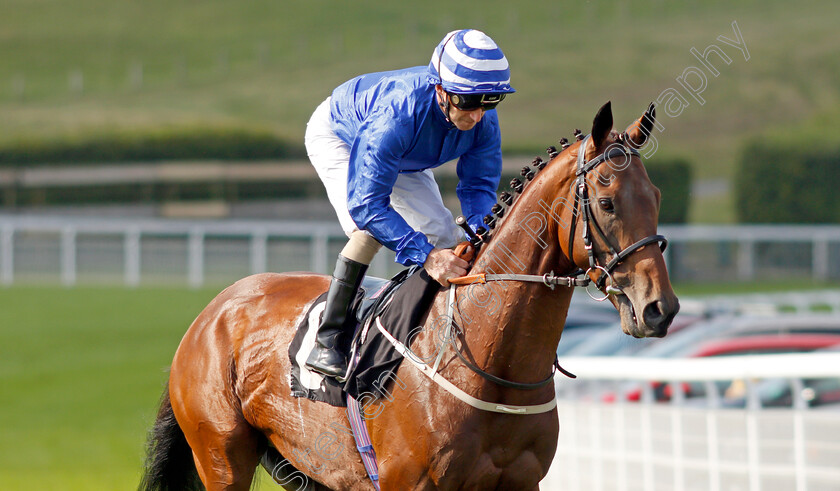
x: 652, y: 313
x: 657, y: 316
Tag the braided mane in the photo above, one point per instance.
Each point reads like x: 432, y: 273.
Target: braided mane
x: 509, y: 198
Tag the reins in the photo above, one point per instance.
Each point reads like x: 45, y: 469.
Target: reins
x: 583, y: 208
x: 579, y: 278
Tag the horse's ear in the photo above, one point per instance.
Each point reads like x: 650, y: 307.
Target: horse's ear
x: 640, y: 130
x: 602, y: 125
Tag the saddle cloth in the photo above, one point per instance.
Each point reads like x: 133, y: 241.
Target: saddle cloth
x: 401, y: 303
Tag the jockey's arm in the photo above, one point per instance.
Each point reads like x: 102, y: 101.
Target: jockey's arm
x: 373, y: 171
x: 479, y: 171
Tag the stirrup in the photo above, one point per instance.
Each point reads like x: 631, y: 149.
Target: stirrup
x: 336, y: 369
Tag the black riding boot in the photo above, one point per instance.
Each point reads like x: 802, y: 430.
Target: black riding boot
x: 325, y: 357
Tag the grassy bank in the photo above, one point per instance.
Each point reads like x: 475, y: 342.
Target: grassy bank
x: 90, y: 65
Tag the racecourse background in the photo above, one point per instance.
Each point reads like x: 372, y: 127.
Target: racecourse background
x: 82, y: 368
x: 95, y: 67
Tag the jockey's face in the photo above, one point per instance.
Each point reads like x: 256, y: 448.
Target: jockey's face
x: 463, y: 120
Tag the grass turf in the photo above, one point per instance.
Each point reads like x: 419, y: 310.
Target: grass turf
x: 82, y: 372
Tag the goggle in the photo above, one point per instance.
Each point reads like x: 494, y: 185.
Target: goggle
x: 471, y: 102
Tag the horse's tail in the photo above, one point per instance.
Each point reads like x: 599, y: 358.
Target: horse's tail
x: 169, y: 461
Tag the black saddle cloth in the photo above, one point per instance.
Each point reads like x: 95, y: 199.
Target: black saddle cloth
x: 401, y: 303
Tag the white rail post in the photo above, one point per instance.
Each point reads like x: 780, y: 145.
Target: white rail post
x: 320, y: 250
x: 7, y: 255
x: 746, y: 259
x: 646, y: 424
x: 753, y: 439
x: 677, y: 445
x: 259, y: 252
x: 799, y: 454
x: 195, y: 259
x: 713, y: 445
x: 596, y: 450
x: 68, y: 256
x: 819, y: 260
x: 620, y: 436
x: 132, y: 257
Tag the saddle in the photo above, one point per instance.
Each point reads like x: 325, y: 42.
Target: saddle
x: 401, y: 303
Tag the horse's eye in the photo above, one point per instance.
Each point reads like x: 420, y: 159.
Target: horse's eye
x: 606, y: 204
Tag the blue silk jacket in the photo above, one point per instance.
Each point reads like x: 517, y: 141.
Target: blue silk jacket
x: 392, y: 123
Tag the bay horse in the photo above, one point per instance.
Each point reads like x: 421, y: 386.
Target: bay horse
x: 228, y: 408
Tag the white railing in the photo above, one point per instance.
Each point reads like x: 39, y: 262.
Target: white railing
x: 131, y: 251
x: 817, y: 239
x: 680, y: 446
x: 192, y: 252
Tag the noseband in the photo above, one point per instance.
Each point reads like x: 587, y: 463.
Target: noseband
x: 583, y: 206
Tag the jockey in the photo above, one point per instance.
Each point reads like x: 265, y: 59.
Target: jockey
x: 373, y: 144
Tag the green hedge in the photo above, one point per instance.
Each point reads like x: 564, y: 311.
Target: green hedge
x: 178, y: 143
x: 673, y: 178
x: 788, y: 182
x: 160, y: 192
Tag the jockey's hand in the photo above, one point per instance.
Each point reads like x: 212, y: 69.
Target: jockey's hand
x: 442, y: 264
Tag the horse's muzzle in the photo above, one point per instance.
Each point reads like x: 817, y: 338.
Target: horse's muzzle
x: 658, y: 315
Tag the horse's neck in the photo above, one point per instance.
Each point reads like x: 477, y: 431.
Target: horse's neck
x: 517, y: 323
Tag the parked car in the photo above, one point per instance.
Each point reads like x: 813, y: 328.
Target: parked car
x: 612, y: 341
x: 585, y: 319
x: 684, y: 342
x: 815, y: 392
x: 750, y: 345
x: 583, y: 311
x: 572, y: 338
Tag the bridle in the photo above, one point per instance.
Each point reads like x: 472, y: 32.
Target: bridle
x: 579, y: 278
x: 583, y: 205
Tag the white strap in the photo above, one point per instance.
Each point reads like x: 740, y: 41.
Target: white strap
x: 460, y: 394
x: 450, y: 311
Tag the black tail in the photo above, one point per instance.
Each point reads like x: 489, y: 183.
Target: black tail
x: 169, y: 460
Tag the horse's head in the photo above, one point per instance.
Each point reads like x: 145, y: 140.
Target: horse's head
x: 616, y: 211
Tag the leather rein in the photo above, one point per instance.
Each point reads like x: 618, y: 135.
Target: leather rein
x: 583, y: 207
x: 580, y: 278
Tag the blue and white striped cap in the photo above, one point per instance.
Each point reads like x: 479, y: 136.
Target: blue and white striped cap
x: 469, y: 62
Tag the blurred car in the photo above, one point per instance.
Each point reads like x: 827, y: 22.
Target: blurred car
x: 814, y: 392
x: 574, y: 337
x: 685, y: 341
x: 750, y: 345
x: 585, y: 319
x: 583, y: 311
x: 612, y: 341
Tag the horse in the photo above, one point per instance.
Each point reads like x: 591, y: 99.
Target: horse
x: 227, y: 406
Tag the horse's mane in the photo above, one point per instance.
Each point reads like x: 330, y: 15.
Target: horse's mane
x: 529, y: 174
